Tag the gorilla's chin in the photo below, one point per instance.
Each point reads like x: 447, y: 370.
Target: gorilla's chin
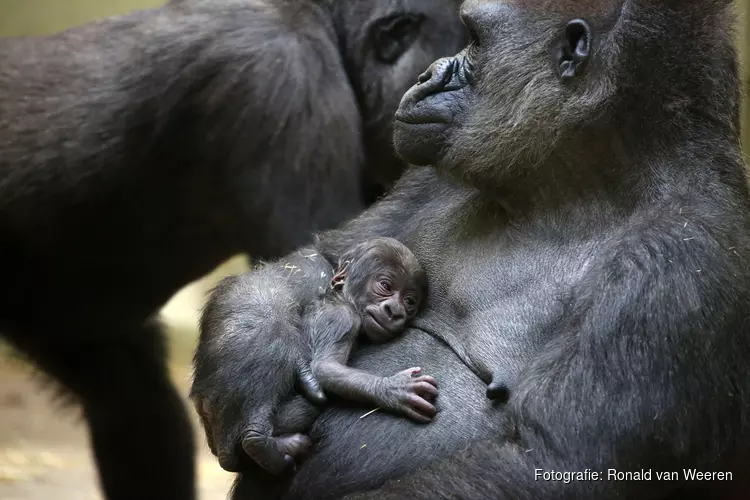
x: 420, y: 144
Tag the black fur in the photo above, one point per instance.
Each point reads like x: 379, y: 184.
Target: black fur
x: 587, y: 234
x: 331, y: 327
x: 138, y: 152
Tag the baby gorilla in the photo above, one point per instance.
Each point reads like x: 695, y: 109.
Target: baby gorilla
x: 378, y: 287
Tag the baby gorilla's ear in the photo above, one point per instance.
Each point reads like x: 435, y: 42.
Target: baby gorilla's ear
x: 337, y: 282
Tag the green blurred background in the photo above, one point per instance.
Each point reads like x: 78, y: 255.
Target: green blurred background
x: 30, y: 17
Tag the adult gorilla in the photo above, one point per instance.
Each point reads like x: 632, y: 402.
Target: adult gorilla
x: 138, y: 152
x: 586, y: 237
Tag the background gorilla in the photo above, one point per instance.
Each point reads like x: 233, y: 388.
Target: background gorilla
x: 586, y: 236
x: 139, y: 152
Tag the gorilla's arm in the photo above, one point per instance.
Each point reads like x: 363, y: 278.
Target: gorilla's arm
x: 639, y: 377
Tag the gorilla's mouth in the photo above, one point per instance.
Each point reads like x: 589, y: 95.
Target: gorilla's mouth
x: 376, y: 320
x: 410, y: 119
x: 377, y: 325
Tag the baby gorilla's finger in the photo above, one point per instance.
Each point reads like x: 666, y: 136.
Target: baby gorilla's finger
x: 424, y: 388
x: 428, y: 379
x: 265, y: 451
x: 309, y: 386
x: 416, y: 416
x: 422, y: 405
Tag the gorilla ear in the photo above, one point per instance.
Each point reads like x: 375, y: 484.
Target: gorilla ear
x: 337, y: 282
x: 575, y: 49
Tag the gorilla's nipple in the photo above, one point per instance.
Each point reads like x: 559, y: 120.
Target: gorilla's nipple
x: 498, y: 390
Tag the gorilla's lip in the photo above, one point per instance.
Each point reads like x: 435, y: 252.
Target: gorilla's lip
x: 410, y: 119
x: 377, y: 322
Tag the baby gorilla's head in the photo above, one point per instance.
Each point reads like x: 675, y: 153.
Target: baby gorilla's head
x: 385, y: 282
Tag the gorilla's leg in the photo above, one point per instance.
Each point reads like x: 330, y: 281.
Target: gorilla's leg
x: 139, y: 429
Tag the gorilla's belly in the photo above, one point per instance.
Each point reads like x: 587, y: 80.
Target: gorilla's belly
x: 353, y: 453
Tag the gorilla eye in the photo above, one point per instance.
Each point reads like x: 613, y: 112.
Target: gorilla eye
x: 473, y: 37
x: 410, y: 301
x: 473, y: 49
x: 393, y: 36
x: 385, y: 286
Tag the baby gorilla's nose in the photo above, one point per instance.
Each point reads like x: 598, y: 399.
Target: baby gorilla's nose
x: 396, y: 314
x: 393, y: 310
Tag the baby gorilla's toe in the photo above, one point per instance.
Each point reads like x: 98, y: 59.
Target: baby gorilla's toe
x: 294, y: 445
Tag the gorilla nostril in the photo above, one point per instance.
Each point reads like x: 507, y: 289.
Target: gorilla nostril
x: 447, y: 72
x: 440, y: 73
x: 424, y: 77
x: 388, y: 310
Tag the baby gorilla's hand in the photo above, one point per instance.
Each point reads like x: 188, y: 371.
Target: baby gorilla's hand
x: 410, y: 393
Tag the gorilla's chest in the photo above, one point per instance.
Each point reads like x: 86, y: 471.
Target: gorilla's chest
x: 494, y: 298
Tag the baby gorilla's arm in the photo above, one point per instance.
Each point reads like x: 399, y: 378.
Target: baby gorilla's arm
x: 334, y: 330
x: 406, y: 392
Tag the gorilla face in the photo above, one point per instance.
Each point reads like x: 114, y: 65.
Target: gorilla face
x: 386, y: 44
x: 523, y: 82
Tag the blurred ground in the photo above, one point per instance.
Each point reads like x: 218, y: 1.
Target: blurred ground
x: 44, y: 449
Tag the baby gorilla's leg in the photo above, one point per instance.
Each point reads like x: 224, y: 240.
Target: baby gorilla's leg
x: 295, y: 418
x: 296, y: 415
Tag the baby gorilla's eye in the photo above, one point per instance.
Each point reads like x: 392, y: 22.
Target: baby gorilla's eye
x: 410, y: 302
x: 385, y: 286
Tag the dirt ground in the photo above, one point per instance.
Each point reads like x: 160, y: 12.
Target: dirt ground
x: 44, y: 452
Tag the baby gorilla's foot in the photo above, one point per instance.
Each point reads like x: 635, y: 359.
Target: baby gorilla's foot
x: 275, y: 454
x: 293, y: 446
x: 410, y: 393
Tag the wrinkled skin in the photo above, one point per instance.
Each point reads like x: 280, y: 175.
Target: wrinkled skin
x: 584, y: 224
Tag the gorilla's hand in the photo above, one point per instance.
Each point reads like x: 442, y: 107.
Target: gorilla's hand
x: 250, y: 356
